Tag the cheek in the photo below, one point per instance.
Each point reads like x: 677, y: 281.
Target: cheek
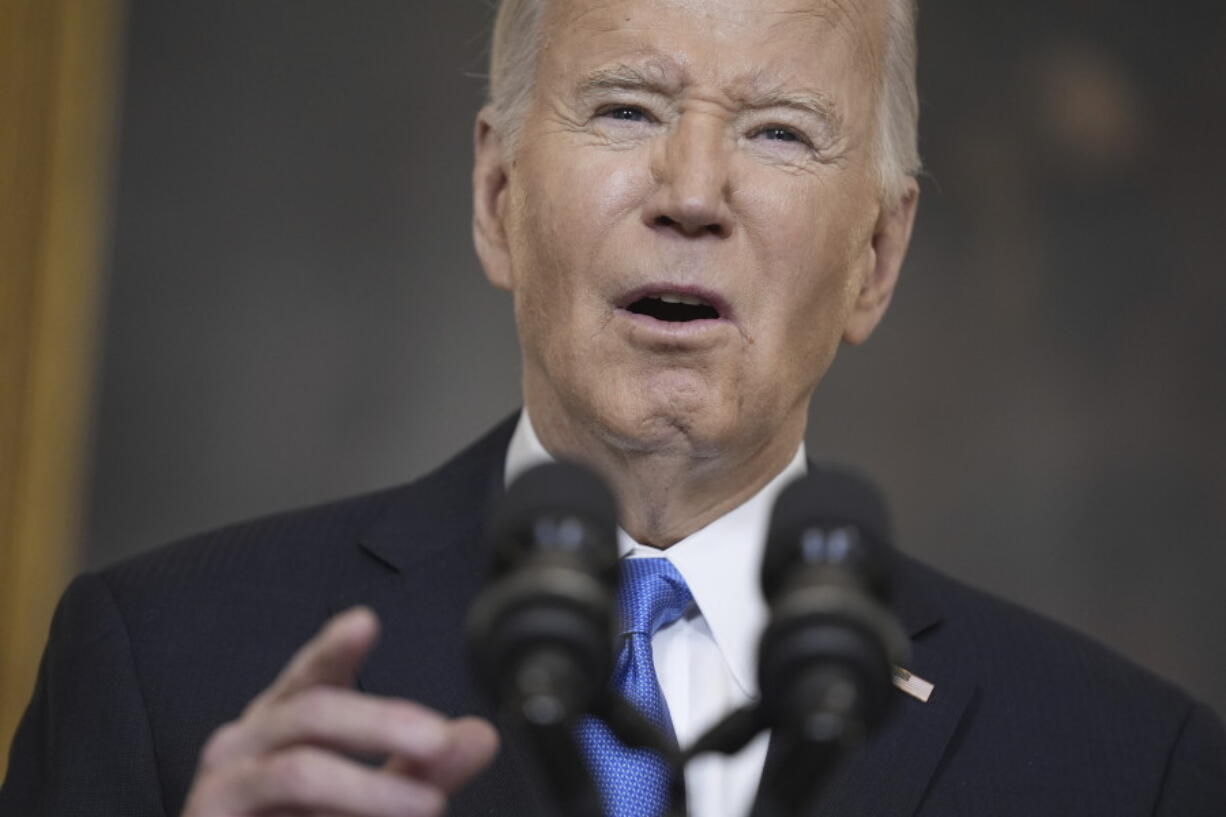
x: 809, y: 247
x: 796, y: 232
x: 569, y: 211
x: 572, y: 191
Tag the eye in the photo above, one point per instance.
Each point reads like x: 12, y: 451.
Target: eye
x: 624, y: 113
x: 779, y: 133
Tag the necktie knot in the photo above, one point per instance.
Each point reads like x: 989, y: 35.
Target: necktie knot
x: 652, y: 594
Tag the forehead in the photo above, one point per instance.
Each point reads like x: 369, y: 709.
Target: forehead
x: 742, y: 37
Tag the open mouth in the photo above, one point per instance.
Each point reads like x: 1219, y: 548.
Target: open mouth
x: 674, y: 308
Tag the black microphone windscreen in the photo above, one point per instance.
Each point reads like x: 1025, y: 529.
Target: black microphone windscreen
x: 828, y: 499
x: 557, y: 491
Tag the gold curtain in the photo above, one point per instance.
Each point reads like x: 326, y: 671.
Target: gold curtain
x: 59, y: 73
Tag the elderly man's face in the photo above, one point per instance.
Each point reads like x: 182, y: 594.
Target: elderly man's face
x: 692, y: 221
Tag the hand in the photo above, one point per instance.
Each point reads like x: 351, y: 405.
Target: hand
x: 284, y: 755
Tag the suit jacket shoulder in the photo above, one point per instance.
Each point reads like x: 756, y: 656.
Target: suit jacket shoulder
x: 148, y: 657
x: 1028, y: 717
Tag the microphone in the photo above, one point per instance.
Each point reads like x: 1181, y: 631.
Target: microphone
x: 826, y: 657
x: 540, y: 634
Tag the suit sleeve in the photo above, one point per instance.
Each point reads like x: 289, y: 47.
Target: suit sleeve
x: 1195, y: 782
x: 84, y: 746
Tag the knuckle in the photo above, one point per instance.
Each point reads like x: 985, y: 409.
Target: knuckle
x: 307, y: 715
x: 220, y: 745
x: 411, y: 712
x: 290, y: 774
x: 417, y: 729
x: 404, y: 715
x: 311, y: 701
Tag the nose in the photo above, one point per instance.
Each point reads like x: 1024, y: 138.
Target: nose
x: 690, y: 168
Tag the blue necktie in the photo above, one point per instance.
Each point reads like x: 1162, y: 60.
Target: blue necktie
x: 635, y: 782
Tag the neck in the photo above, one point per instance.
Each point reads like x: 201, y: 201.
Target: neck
x: 668, y: 490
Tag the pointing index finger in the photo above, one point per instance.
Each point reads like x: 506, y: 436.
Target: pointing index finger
x: 331, y: 658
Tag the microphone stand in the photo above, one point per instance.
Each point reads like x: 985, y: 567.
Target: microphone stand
x: 807, y: 751
x: 541, y: 700
x: 796, y: 781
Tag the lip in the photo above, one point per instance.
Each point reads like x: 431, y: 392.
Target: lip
x: 711, y: 297
x: 675, y: 335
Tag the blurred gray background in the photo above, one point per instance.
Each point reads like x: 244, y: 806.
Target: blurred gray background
x: 295, y: 312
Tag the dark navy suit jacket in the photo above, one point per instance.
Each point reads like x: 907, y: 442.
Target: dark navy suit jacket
x: 147, y: 658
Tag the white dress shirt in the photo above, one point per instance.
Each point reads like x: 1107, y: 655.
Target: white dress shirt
x: 707, y: 660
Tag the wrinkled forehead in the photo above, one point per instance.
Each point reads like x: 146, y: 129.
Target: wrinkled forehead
x: 860, y: 24
x: 720, y: 39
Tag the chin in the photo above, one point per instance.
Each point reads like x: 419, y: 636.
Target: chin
x: 665, y: 423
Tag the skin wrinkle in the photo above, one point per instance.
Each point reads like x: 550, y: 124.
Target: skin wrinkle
x: 662, y: 79
x: 792, y: 165
x: 843, y: 18
x: 854, y: 21
x: 521, y: 33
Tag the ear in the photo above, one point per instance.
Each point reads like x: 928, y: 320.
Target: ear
x: 489, y: 199
x: 891, y: 237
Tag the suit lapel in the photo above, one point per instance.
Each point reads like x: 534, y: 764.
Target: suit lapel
x: 889, y: 774
x: 422, y: 657
x: 425, y: 560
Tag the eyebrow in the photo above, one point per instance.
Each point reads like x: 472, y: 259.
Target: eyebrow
x: 760, y: 91
x: 657, y: 76
x: 756, y: 92
x: 809, y: 102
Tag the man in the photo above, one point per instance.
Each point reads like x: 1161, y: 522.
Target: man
x: 693, y: 205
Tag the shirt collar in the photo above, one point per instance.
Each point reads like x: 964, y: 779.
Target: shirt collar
x: 525, y: 450
x: 720, y: 563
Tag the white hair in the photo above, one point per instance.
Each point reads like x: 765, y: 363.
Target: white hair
x: 516, y: 45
